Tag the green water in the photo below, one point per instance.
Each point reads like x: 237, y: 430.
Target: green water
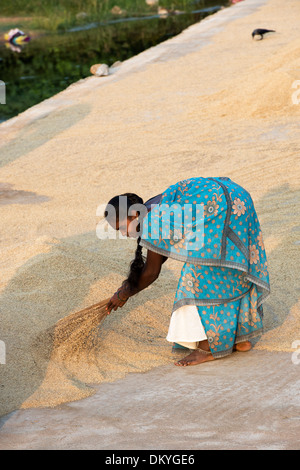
x: 50, y: 63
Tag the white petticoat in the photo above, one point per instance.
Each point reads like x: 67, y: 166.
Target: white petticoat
x: 186, y: 327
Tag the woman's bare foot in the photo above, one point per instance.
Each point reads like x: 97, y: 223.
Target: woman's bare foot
x: 196, y: 357
x: 243, y: 347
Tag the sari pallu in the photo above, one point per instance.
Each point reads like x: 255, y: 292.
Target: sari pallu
x: 214, y: 230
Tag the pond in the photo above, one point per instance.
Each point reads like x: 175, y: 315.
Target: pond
x: 49, y: 63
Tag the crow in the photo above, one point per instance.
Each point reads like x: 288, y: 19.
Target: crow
x: 261, y: 32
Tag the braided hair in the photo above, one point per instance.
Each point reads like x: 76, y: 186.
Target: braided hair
x: 138, y: 263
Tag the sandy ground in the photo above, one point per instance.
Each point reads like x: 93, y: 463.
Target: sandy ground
x: 210, y: 102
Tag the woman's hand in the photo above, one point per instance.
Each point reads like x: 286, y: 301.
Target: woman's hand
x: 117, y: 300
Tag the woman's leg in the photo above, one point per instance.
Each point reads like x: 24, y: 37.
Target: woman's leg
x: 243, y: 347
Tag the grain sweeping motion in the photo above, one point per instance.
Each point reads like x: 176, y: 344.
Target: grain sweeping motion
x: 76, y: 332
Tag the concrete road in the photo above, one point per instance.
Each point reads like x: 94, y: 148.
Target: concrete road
x: 246, y: 401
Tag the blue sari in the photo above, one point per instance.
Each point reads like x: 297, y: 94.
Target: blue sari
x: 210, y: 225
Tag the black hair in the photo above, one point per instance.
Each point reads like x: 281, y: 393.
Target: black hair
x: 138, y: 263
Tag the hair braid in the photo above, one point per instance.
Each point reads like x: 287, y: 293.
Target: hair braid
x: 138, y: 263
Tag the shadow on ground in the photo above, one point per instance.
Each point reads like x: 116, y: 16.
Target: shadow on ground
x: 50, y: 286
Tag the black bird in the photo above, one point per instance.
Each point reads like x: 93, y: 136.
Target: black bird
x: 261, y: 32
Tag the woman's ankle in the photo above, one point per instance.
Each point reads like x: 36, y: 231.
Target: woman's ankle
x: 204, y: 345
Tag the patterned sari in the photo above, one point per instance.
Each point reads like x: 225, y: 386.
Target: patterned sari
x: 210, y: 225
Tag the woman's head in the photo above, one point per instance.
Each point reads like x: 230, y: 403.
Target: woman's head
x: 122, y: 213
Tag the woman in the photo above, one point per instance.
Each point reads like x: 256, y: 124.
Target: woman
x: 210, y: 225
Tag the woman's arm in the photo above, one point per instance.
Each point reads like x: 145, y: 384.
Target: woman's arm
x: 149, y: 274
